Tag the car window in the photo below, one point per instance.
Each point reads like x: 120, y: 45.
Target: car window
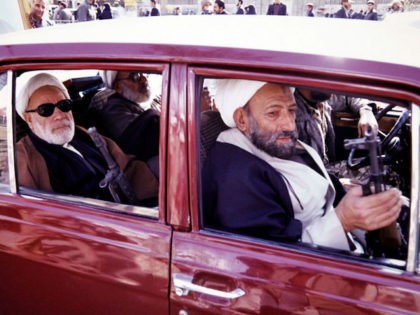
x: 90, y: 133
x: 4, y: 169
x: 247, y: 190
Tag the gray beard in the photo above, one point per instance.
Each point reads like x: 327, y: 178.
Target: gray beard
x: 267, y: 142
x: 133, y: 95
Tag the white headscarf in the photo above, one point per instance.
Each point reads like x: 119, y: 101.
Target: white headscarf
x: 108, y: 76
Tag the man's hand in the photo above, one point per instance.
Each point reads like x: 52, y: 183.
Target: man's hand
x: 368, y: 212
x: 367, y: 118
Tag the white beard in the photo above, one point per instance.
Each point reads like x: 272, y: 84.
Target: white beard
x: 59, y: 133
x: 133, y: 95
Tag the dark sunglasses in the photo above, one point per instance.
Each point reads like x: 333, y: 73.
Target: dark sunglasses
x: 47, y: 109
x: 134, y: 76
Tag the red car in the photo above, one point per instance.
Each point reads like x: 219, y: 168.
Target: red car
x: 67, y: 254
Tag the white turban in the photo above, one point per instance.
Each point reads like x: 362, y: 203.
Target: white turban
x: 34, y: 83
x: 108, y: 76
x: 232, y: 94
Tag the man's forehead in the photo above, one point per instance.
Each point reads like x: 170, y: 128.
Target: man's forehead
x: 264, y: 97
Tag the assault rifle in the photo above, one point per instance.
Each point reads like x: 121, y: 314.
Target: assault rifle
x: 386, y: 241
x: 114, y: 180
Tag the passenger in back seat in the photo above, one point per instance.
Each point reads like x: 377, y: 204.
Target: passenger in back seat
x: 119, y: 115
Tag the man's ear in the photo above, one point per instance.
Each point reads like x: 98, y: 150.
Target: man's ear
x: 28, y: 119
x: 240, y: 116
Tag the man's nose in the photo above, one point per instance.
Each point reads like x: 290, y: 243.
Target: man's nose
x: 288, y: 123
x: 58, y: 114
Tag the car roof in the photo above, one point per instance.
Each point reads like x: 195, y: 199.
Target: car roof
x: 343, y: 38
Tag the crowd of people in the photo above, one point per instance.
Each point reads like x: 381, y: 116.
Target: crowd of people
x: 88, y: 10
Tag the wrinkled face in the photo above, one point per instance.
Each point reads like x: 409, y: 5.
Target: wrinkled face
x: 270, y: 120
x: 37, y: 8
x: 55, y: 129
x: 133, y: 86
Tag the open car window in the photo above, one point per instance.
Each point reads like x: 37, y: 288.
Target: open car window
x: 241, y: 194
x: 110, y: 156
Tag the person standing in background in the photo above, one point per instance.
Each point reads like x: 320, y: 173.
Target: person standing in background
x: 154, y: 11
x: 37, y: 8
x: 277, y: 8
x: 238, y: 4
x: 85, y: 12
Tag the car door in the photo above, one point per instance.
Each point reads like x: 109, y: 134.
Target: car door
x: 63, y: 254
x: 219, y: 272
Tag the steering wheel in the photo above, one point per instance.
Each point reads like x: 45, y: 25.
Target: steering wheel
x: 385, y: 143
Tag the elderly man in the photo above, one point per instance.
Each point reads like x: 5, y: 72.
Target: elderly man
x: 260, y: 180
x: 119, y: 114
x: 58, y: 156
x: 36, y: 13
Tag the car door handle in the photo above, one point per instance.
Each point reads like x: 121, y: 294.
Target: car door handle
x: 183, y: 284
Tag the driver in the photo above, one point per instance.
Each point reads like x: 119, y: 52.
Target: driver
x: 259, y: 180
x: 58, y: 156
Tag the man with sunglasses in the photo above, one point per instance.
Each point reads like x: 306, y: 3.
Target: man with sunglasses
x: 58, y: 156
x: 119, y: 114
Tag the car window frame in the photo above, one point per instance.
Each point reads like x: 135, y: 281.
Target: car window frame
x: 151, y: 213
x: 340, y: 83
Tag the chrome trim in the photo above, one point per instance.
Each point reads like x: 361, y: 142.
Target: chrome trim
x: 152, y: 213
x: 413, y: 238
x: 10, y: 132
x: 183, y: 285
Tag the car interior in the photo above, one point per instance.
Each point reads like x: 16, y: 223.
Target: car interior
x: 352, y: 161
x: 393, y: 116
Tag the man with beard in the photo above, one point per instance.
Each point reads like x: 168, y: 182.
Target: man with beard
x: 118, y: 114
x: 259, y: 180
x: 58, y: 156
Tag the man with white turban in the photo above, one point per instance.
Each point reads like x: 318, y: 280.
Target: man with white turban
x: 119, y: 114
x: 260, y: 180
x: 58, y: 156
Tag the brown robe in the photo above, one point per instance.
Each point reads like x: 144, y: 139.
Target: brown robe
x: 33, y: 173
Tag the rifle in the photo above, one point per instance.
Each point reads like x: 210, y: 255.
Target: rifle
x: 385, y: 241
x: 115, y: 180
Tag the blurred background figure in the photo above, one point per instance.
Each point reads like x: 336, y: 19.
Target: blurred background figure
x: 309, y: 9
x: 36, y: 13
x: 395, y: 7
x: 250, y: 9
x: 154, y: 10
x: 238, y: 4
x: 277, y: 8
x: 205, y: 7
x: 219, y: 7
x: 178, y: 11
x: 60, y: 14
x: 106, y: 13
x: 85, y: 12
x: 371, y: 14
